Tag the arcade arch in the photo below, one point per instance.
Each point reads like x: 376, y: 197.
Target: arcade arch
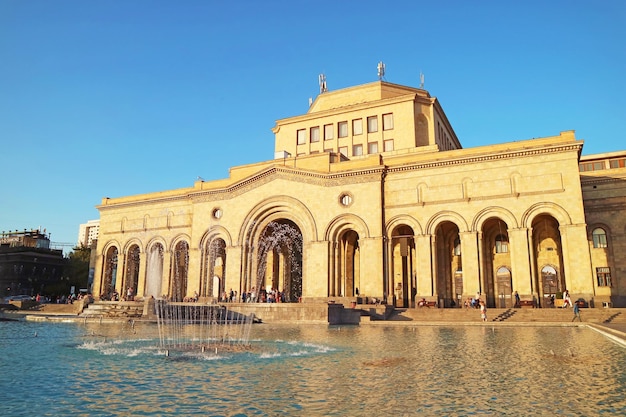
x: 179, y: 271
x: 403, y: 265
x: 548, y: 258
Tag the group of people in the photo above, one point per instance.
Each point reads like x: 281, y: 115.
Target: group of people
x: 115, y: 296
x: 472, y: 302
x: 478, y: 303
x: 264, y: 296
x: 251, y: 296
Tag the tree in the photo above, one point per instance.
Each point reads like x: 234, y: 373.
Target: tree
x: 75, y: 273
x: 78, y: 267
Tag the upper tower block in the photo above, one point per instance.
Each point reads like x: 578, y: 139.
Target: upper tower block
x: 367, y: 119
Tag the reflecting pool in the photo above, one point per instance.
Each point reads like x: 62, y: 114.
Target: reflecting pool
x: 90, y: 369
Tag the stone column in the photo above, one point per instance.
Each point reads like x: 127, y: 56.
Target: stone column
x: 233, y: 270
x: 576, y: 258
x: 315, y: 268
x: 481, y: 264
x: 372, y: 250
x: 141, y: 281
x: 120, y: 275
x: 193, y: 271
x: 521, y: 265
x: 98, y: 276
x: 337, y: 269
x: 167, y: 272
x: 470, y: 262
x: 534, y: 282
x: 425, y: 266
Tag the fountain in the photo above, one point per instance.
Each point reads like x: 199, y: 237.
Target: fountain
x: 280, y: 246
x: 201, y: 327
x: 192, y: 326
x: 154, y: 274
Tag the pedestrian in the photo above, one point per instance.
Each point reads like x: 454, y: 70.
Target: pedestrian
x: 483, y: 311
x: 576, y: 312
x: 517, y: 299
x: 567, y: 300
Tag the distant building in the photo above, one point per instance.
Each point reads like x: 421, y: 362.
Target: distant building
x: 27, y: 263
x: 370, y: 194
x: 88, y: 233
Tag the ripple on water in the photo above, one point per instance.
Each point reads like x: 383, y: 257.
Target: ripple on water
x: 70, y: 369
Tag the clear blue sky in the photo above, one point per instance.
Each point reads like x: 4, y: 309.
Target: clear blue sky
x: 114, y: 98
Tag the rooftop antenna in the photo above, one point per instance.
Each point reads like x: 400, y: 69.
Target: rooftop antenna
x: 381, y: 70
x: 421, y: 80
x: 322, y: 81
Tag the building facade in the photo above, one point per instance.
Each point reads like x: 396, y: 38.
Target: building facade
x: 88, y: 233
x: 27, y: 264
x: 372, y: 196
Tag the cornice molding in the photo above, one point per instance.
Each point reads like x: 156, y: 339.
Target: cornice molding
x: 308, y: 177
x: 485, y: 157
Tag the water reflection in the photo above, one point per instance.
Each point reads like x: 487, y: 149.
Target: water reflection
x: 313, y: 370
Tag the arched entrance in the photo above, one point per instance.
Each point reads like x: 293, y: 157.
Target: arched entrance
x: 110, y: 273
x: 497, y: 275
x: 214, y: 261
x: 180, y: 267
x: 403, y: 258
x: 449, y: 263
x: 550, y: 285
x: 548, y: 251
x: 279, y: 261
x: 348, y: 265
x: 503, y: 290
x: 131, y: 278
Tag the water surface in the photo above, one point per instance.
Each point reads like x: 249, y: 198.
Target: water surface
x: 312, y: 370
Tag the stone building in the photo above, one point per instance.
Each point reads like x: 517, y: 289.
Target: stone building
x: 371, y: 196
x: 27, y: 264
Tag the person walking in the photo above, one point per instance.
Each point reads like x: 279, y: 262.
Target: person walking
x: 576, y: 312
x: 567, y: 300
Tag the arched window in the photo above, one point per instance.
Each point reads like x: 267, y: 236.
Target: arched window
x: 599, y: 238
x: 502, y: 244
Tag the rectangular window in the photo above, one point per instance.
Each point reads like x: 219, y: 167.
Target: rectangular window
x: 301, y: 136
x: 342, y: 129
x: 585, y: 167
x: 328, y: 132
x: 604, y: 276
x: 372, y: 147
x: 315, y: 134
x: 388, y: 121
x: 597, y: 166
x: 344, y: 151
x: 618, y: 163
x: 388, y: 145
x: 502, y: 246
x: 372, y: 124
x: 357, y: 127
x: 357, y: 150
